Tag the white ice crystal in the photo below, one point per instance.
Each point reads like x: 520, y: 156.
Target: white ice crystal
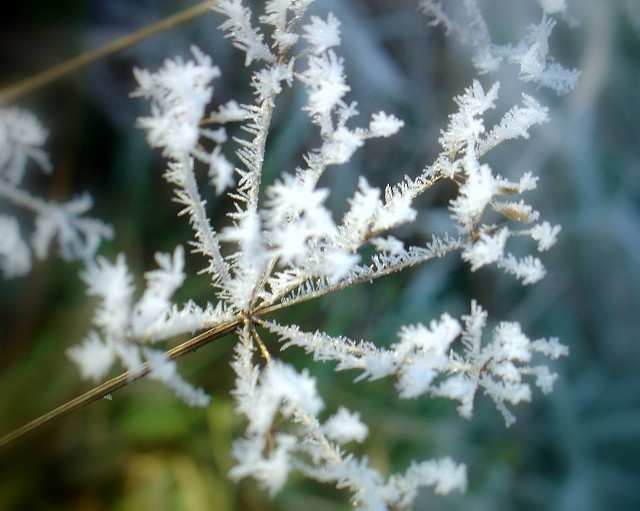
x: 546, y: 235
x: 240, y: 29
x: 21, y: 139
x: 384, y: 125
x: 15, y: 256
x: 124, y: 324
x: 553, y: 6
x: 321, y: 34
x: 345, y: 427
x: 487, y: 250
x: 78, y: 237
x: 475, y: 195
x: 327, y: 86
x: 165, y: 371
x: 94, y: 357
x: 179, y: 93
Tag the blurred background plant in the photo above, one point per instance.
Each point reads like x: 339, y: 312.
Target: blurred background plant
x: 575, y: 449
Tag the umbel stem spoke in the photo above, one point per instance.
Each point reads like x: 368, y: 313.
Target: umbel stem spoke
x: 39, y: 80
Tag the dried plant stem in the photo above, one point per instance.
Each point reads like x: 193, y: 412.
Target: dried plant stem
x: 120, y: 381
x: 263, y: 348
x: 282, y: 302
x: 37, y: 81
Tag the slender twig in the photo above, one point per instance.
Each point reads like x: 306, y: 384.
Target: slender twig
x: 281, y: 301
x: 37, y: 81
x: 120, y: 381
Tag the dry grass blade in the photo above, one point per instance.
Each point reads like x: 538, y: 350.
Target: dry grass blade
x: 37, y: 81
x: 118, y: 382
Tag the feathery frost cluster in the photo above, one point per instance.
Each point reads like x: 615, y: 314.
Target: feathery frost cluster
x: 288, y: 247
x: 78, y: 237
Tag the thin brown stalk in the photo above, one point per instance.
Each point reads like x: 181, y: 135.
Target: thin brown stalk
x: 39, y: 80
x: 263, y: 348
x: 120, y: 381
x: 109, y: 386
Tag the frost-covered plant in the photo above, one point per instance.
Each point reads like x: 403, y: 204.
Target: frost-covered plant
x: 21, y: 141
x: 283, y: 246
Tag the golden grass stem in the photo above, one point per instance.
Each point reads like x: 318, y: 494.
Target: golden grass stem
x: 120, y: 381
x: 39, y: 80
x: 263, y: 348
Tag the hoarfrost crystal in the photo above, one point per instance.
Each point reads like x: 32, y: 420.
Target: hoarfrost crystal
x: 78, y: 237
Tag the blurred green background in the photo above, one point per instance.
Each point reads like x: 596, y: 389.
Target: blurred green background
x: 577, y: 449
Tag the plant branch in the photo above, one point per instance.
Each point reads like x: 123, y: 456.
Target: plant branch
x: 281, y: 301
x: 120, y: 381
x: 258, y: 340
x: 39, y: 80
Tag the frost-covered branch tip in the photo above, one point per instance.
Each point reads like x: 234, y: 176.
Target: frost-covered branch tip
x: 22, y: 138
